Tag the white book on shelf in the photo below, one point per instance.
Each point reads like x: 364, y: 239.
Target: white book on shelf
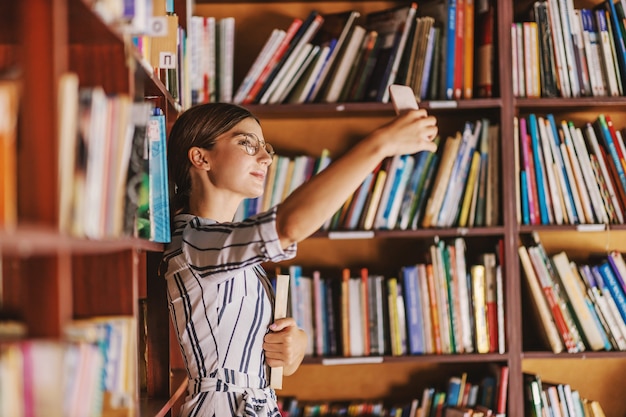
x: 577, y: 298
x: 302, y: 71
x: 337, y: 82
x: 549, y: 162
x: 588, y: 175
x: 305, y: 39
x: 450, y: 206
x: 569, y: 209
x: 579, y: 50
x: 226, y: 58
x: 608, y: 61
x: 209, y: 60
x: 268, y: 49
x: 568, y: 44
x: 571, y: 180
x: 583, y: 191
x: 464, y: 296
x: 592, y: 140
x: 592, y: 53
x: 288, y: 76
x: 305, y: 84
x: 558, y: 41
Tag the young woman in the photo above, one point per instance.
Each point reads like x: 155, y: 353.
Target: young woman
x: 220, y: 299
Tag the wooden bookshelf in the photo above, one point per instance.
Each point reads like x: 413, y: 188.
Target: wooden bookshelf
x: 338, y: 125
x: 81, y: 278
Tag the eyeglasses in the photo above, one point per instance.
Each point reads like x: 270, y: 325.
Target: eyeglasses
x: 252, y: 144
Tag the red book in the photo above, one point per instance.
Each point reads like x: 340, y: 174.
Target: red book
x: 365, y: 319
x: 459, y: 53
x: 280, y: 51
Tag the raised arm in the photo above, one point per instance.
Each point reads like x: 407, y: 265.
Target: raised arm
x: 308, y: 207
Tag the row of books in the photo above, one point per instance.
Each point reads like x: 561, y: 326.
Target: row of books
x: 112, y: 165
x: 442, y: 306
x: 581, y: 306
x: 90, y: 373
x: 568, y: 52
x: 556, y: 399
x: 456, y: 186
x: 344, y: 56
x: 567, y: 174
x: 460, y: 396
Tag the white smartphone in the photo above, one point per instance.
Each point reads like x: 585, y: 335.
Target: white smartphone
x: 402, y: 97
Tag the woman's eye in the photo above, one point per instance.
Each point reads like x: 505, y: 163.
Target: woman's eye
x: 245, y: 142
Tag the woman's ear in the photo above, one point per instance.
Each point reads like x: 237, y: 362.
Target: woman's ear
x: 198, y: 158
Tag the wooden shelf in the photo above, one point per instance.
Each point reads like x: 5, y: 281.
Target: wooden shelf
x: 39, y: 240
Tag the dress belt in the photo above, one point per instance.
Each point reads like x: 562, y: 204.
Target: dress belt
x: 254, y: 400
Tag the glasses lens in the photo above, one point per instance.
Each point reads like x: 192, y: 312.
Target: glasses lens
x: 269, y: 149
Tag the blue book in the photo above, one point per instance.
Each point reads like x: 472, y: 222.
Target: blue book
x: 611, y: 283
x: 611, y: 147
x: 524, y: 196
x: 618, y: 37
x: 450, y: 50
x: 414, y: 319
x: 158, y: 182
x: 354, y: 215
x: 539, y: 168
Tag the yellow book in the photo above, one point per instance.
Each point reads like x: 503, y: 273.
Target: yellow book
x: 394, y: 325
x: 480, y: 308
x: 469, y: 188
x: 9, y: 99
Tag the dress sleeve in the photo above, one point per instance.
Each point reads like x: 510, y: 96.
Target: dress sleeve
x: 216, y: 248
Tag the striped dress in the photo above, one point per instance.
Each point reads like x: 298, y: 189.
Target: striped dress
x: 220, y: 302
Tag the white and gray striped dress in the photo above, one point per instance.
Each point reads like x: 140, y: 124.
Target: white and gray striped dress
x: 220, y: 303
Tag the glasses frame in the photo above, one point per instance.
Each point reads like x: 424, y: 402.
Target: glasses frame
x: 252, y: 144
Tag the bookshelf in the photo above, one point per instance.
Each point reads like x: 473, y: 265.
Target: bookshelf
x: 338, y: 125
x: 48, y: 278
x: 77, y: 278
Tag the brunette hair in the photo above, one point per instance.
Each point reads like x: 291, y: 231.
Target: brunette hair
x: 199, y: 126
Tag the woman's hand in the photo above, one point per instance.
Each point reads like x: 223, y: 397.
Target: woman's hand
x: 285, y: 345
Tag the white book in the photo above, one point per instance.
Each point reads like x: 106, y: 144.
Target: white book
x: 268, y: 49
x: 608, y: 63
x: 209, y: 61
x: 592, y: 140
x: 226, y: 60
x: 500, y: 310
x: 521, y: 70
x: 337, y: 83
x: 579, y: 50
x: 548, y: 158
x: 429, y: 345
x: 577, y: 299
x: 464, y: 296
x: 558, y: 41
x: 583, y: 191
x: 458, y: 176
x: 194, y: 45
x: 588, y: 175
x: 514, y: 62
x: 284, y: 69
x: 304, y: 86
x: 572, y: 65
x: 592, y: 52
x: 308, y: 61
x: 560, y: 172
x: 571, y: 180
x: 294, y: 66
